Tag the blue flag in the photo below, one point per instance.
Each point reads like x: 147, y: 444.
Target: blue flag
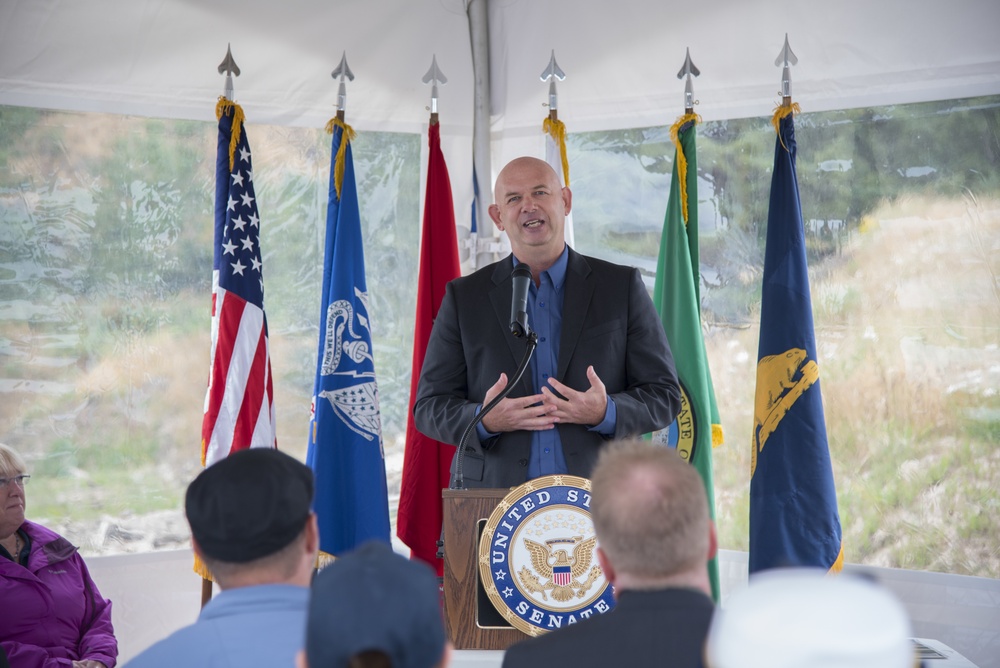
x: 793, y: 502
x: 345, y: 438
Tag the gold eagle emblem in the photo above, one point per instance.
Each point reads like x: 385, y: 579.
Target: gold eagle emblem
x: 560, y: 572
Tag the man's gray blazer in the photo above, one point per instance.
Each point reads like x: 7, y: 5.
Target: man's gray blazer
x: 608, y: 321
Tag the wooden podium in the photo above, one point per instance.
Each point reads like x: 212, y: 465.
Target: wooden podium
x: 465, y: 512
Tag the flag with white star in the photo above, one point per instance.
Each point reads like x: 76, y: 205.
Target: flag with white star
x: 345, y: 436
x: 239, y: 404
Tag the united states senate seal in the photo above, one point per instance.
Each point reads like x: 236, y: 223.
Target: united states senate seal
x: 537, y: 556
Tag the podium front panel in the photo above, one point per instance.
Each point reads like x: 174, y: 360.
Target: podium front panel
x: 465, y: 513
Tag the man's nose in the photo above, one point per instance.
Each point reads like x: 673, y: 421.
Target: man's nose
x: 528, y: 203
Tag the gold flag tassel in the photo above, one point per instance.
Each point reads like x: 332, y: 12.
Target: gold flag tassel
x: 324, y: 559
x: 780, y: 112
x: 201, y: 569
x: 682, y: 164
x: 223, y: 107
x: 557, y: 130
x: 838, y: 564
x: 338, y: 165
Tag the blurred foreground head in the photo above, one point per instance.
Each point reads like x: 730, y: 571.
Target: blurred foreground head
x: 790, y: 618
x: 373, y: 608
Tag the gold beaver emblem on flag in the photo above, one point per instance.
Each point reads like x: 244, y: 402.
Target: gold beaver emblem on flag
x: 781, y: 380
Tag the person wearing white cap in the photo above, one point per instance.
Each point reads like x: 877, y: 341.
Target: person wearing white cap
x: 789, y: 618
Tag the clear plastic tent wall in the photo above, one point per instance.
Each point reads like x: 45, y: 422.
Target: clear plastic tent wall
x: 107, y: 139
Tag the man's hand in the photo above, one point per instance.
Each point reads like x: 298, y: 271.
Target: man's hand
x: 529, y: 413
x: 586, y: 408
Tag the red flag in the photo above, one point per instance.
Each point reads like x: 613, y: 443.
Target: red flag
x: 426, y: 462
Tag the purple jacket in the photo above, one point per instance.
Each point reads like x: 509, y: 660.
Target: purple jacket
x: 52, y: 613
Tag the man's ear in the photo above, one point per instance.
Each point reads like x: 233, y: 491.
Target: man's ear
x: 494, y: 212
x: 713, y: 540
x: 567, y: 196
x: 609, y: 570
x: 312, y: 534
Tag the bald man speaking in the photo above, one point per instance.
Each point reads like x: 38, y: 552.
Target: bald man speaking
x: 602, y: 369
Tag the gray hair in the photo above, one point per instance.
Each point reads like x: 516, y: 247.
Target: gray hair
x: 650, y: 510
x: 11, y: 463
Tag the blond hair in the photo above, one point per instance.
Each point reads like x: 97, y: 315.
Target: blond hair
x: 650, y: 510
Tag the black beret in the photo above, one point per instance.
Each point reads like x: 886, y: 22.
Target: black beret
x: 249, y: 505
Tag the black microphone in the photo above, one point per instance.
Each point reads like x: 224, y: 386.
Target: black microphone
x: 519, y: 301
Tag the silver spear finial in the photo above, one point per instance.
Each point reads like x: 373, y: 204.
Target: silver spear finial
x: 688, y: 70
x: 342, y: 71
x: 551, y: 73
x: 785, y: 60
x: 434, y: 77
x: 229, y: 67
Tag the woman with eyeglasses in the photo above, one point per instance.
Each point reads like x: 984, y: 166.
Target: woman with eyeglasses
x: 51, y: 613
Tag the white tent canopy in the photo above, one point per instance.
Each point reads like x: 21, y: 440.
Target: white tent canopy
x: 159, y: 57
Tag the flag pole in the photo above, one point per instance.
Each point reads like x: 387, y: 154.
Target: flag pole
x: 794, y: 518
x: 555, y: 131
x: 426, y: 464
x: 551, y: 125
x: 345, y: 449
x: 228, y: 67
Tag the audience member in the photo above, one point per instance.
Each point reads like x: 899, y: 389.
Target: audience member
x: 252, y: 526
x: 788, y: 618
x: 51, y: 612
x: 655, y: 538
x: 373, y: 608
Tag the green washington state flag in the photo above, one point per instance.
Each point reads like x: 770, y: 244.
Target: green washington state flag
x: 676, y: 295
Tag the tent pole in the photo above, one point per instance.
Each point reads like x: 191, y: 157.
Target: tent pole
x: 478, y: 11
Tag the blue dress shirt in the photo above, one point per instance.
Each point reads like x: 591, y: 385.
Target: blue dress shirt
x: 249, y: 627
x: 545, y: 304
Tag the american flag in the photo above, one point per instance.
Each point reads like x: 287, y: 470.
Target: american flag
x: 239, y: 404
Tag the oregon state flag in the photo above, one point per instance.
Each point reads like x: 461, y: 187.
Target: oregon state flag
x: 675, y: 295
x: 345, y: 436
x: 793, y: 502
